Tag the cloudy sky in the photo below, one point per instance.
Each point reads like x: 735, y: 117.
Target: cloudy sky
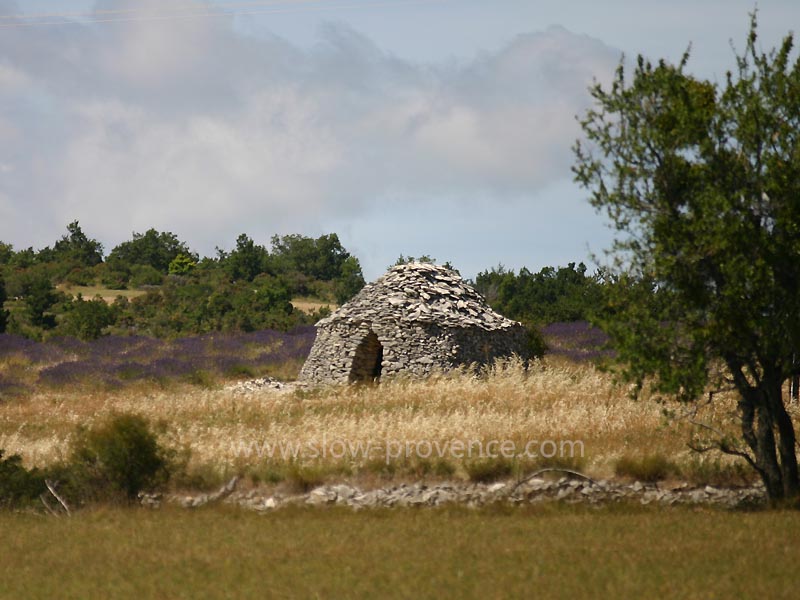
x: 440, y: 127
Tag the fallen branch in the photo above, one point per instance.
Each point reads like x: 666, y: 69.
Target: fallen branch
x: 551, y: 470
x: 225, y: 491
x: 51, y: 487
x: 47, y: 506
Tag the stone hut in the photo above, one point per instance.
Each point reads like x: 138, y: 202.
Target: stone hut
x: 416, y: 318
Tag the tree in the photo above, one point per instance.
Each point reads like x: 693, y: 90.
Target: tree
x: 247, y: 261
x: 181, y: 265
x: 405, y: 260
x: 551, y: 295
x: 350, y: 282
x: 40, y: 296
x: 153, y: 248
x: 321, y: 258
x: 86, y: 319
x: 702, y: 182
x: 3, y: 312
x: 6, y: 253
x: 76, y: 247
x: 121, y: 454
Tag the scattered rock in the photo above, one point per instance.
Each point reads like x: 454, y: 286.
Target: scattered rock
x: 257, y: 385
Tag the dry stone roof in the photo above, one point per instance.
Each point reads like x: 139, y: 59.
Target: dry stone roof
x: 420, y: 293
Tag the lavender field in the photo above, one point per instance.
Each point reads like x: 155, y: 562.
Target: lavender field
x: 577, y: 341
x: 117, y: 361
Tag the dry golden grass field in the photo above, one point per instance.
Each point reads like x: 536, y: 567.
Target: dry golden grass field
x: 309, y: 305
x: 586, y: 420
x: 91, y: 291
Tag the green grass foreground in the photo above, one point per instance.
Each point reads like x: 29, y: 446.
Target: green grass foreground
x: 450, y: 553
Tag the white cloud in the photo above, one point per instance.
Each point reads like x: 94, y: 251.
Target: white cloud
x: 188, y: 126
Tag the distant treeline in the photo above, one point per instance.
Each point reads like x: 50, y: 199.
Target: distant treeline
x: 245, y: 289
x: 552, y: 295
x: 248, y: 288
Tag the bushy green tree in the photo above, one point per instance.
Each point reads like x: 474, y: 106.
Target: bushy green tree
x: 23, y: 259
x: 153, y: 248
x: 86, y: 319
x: 182, y: 265
x: 6, y: 253
x: 350, y: 282
x: 702, y: 180
x: 265, y: 303
x: 3, y: 312
x: 550, y: 295
x: 143, y: 275
x: 18, y: 485
x: 405, y: 260
x: 115, y: 274
x: 121, y: 454
x: 76, y: 247
x: 40, y: 296
x: 247, y: 261
x: 321, y: 258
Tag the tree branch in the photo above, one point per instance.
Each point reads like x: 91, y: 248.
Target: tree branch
x: 551, y: 470
x: 51, y: 486
x: 47, y: 506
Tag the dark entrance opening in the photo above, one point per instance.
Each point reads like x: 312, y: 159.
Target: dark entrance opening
x: 367, y: 361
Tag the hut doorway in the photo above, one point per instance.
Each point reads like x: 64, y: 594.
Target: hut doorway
x: 367, y: 360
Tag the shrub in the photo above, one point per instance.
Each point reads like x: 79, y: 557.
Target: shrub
x: 535, y: 345
x: 86, y: 319
x: 181, y: 265
x: 705, y: 471
x: 18, y: 485
x: 304, y: 478
x: 649, y: 468
x: 436, y: 468
x: 142, y: 275
x: 3, y: 313
x: 120, y: 456
x: 490, y: 469
x: 80, y: 276
x: 115, y: 279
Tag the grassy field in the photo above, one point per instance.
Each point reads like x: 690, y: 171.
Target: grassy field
x: 555, y: 400
x: 309, y: 305
x: 494, y: 552
x: 456, y: 553
x: 90, y: 291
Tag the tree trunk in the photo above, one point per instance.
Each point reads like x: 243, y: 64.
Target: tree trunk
x: 787, y: 443
x: 763, y: 415
x: 766, y: 455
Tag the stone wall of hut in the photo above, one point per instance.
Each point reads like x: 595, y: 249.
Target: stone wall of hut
x: 347, y: 352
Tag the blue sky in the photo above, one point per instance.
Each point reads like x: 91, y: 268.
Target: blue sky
x: 441, y: 127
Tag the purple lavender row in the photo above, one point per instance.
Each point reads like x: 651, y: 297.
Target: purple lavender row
x: 116, y: 360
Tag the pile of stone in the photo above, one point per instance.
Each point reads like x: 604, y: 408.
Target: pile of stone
x: 421, y: 293
x: 536, y: 490
x: 257, y: 385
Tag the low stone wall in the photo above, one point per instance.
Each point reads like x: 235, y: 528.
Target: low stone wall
x: 534, y: 491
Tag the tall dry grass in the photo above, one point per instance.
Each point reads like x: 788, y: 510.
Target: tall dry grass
x: 552, y: 400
